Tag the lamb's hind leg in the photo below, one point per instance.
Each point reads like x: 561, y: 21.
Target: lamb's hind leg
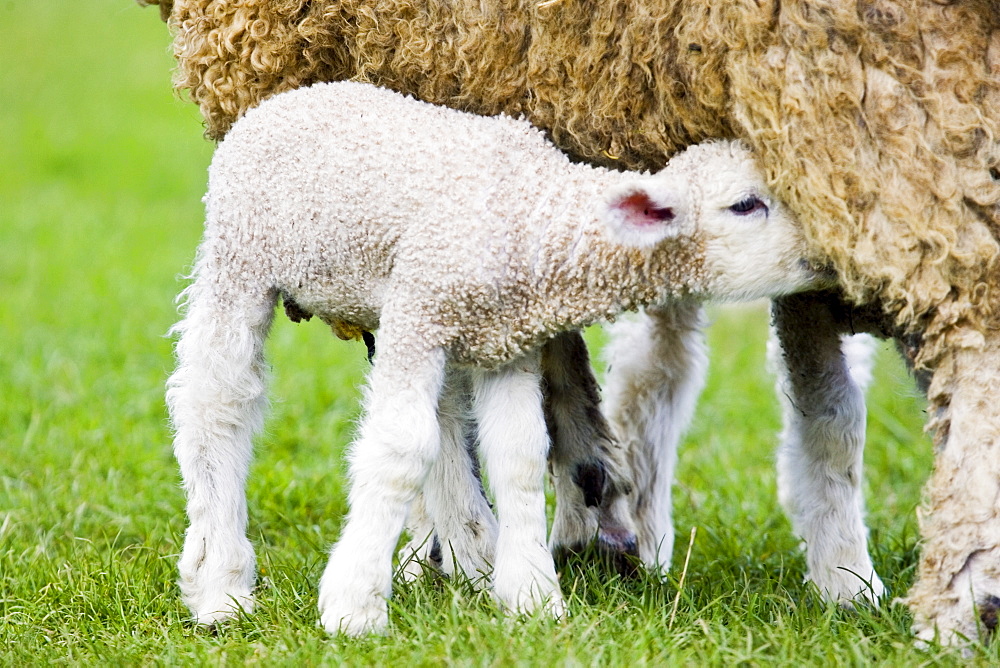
x: 508, y: 407
x: 216, y: 399
x: 398, y: 440
x: 589, y: 471
x: 820, y: 457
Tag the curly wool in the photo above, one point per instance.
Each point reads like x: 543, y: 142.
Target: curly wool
x: 877, y: 122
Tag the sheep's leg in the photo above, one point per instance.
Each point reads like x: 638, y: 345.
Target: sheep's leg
x: 398, y: 440
x: 507, y: 403
x: 822, y: 447
x: 588, y: 467
x: 957, y: 593
x: 656, y: 370
x: 217, y: 397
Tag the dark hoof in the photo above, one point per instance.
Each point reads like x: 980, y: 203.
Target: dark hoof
x: 621, y: 550
x: 989, y: 611
x: 435, y: 557
x: 614, y: 552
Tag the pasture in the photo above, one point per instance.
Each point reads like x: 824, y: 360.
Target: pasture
x: 102, y: 170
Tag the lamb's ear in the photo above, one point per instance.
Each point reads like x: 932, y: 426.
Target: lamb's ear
x: 639, y: 216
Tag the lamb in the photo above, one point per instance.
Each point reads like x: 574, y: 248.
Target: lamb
x: 876, y: 121
x: 467, y: 242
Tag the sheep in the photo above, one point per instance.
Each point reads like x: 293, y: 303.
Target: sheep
x: 876, y: 121
x: 466, y: 242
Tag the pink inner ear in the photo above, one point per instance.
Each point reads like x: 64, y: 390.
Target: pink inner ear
x: 640, y: 211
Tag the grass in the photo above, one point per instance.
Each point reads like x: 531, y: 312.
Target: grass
x: 101, y: 173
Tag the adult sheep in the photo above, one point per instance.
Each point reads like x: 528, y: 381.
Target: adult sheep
x: 876, y: 121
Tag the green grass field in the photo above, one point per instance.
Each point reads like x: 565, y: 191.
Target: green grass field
x: 101, y: 173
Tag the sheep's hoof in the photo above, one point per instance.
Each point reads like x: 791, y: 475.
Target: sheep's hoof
x: 989, y: 613
x: 620, y: 549
x: 967, y: 611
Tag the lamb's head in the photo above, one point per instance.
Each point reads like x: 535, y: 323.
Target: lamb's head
x: 712, y: 202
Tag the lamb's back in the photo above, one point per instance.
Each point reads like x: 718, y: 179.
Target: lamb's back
x: 340, y: 188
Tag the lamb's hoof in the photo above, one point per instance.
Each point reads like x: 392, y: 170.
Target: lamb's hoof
x: 530, y: 600
x: 212, y: 611
x: 369, y: 618
x: 212, y: 620
x: 525, y: 581
x: 850, y: 587
x: 215, y: 590
x: 424, y: 561
x: 555, y: 607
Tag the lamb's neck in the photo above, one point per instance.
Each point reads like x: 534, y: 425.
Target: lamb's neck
x: 585, y: 275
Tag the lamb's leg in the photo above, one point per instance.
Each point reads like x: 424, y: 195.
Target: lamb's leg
x: 822, y: 447
x: 957, y: 592
x: 217, y: 398
x: 398, y: 440
x: 465, y: 525
x: 656, y: 370
x: 507, y: 403
x: 588, y: 467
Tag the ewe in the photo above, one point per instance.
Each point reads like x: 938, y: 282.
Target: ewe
x: 878, y: 123
x: 467, y: 242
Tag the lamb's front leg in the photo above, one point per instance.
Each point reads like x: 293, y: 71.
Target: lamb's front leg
x: 507, y: 403
x: 656, y: 370
x: 822, y: 445
x: 398, y: 440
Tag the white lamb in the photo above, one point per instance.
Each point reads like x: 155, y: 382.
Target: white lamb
x: 467, y: 242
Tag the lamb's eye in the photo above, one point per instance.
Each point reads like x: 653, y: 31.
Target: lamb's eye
x: 748, y: 205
